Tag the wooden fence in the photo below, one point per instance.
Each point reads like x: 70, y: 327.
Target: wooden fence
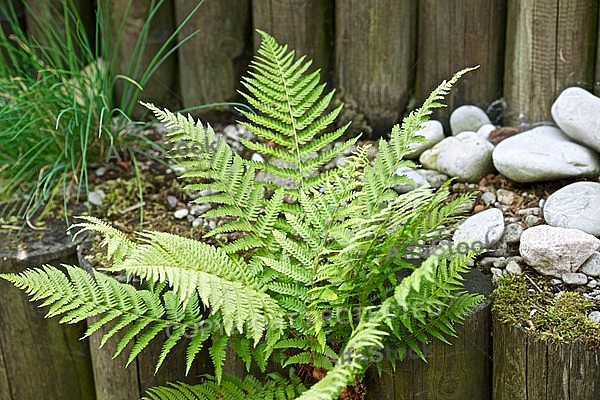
x: 383, y: 56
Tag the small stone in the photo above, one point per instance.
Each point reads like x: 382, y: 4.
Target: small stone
x: 197, y: 222
x: 434, y: 178
x: 199, y: 209
x: 500, y: 262
x: 595, y: 317
x: 496, y: 271
x: 513, y: 267
x: 512, y: 233
x: 257, y: 158
x: 488, y: 198
x: 207, y: 192
x: 556, y: 281
x: 574, y: 278
x: 411, y: 174
x: 530, y: 211
x: 487, y: 262
x: 172, y: 201
x: 96, y: 197
x: 212, y: 224
x: 591, y: 266
x: 100, y: 171
x: 592, y: 284
x: 432, y: 131
x: 532, y: 220
x: 231, y: 132
x: 478, y: 208
x: 486, y: 227
x: 505, y: 197
x: 468, y: 118
x: 181, y: 213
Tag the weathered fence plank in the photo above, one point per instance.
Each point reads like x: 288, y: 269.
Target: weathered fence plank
x: 527, y: 368
x: 549, y: 46
x: 211, y: 62
x: 40, y: 359
x: 458, y: 371
x: 126, y: 21
x: 455, y: 34
x: 374, y: 58
x: 305, y: 25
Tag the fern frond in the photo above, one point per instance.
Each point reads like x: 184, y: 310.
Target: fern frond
x: 118, y: 245
x: 140, y: 315
x: 291, y: 113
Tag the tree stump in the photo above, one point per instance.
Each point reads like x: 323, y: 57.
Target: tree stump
x: 458, y: 371
x: 550, y: 45
x: 113, y: 380
x: 40, y: 358
x: 526, y: 368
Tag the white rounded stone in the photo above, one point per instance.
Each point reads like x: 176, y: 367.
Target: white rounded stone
x: 591, y: 266
x: 468, y: 157
x: 544, y: 153
x: 484, y: 131
x: 433, y: 132
x: 577, y: 112
x: 575, y: 206
x: 554, y: 251
x: 468, y: 118
x: 485, y: 227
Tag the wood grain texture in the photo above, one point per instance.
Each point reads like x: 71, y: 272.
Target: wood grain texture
x: 304, y: 25
x: 211, y: 62
x: 458, y: 371
x: 549, y: 46
x: 455, y: 34
x: 374, y: 47
x: 41, y: 359
x: 126, y: 21
x: 526, y: 368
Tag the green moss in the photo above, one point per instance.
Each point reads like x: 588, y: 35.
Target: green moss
x: 561, y: 319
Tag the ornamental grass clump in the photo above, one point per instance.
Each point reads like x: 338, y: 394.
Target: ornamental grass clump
x: 301, y: 275
x: 58, y: 109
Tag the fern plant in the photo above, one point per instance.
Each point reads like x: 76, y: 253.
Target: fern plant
x: 302, y: 273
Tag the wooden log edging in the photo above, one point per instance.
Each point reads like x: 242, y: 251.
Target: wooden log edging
x: 40, y: 358
x: 526, y: 368
x: 113, y: 380
x: 458, y: 371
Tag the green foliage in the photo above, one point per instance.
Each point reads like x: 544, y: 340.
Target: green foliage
x: 299, y: 254
x: 58, y: 107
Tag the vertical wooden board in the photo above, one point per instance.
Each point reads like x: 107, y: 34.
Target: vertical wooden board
x: 173, y: 368
x: 112, y: 379
x: 41, y: 358
x: 584, y: 372
x: 375, y: 58
x: 548, y: 48
x: 509, y: 366
x: 597, y: 77
x: 126, y: 21
x: 211, y: 62
x: 4, y: 385
x: 455, y: 34
x: 537, y: 369
x: 304, y: 25
x: 558, y: 372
